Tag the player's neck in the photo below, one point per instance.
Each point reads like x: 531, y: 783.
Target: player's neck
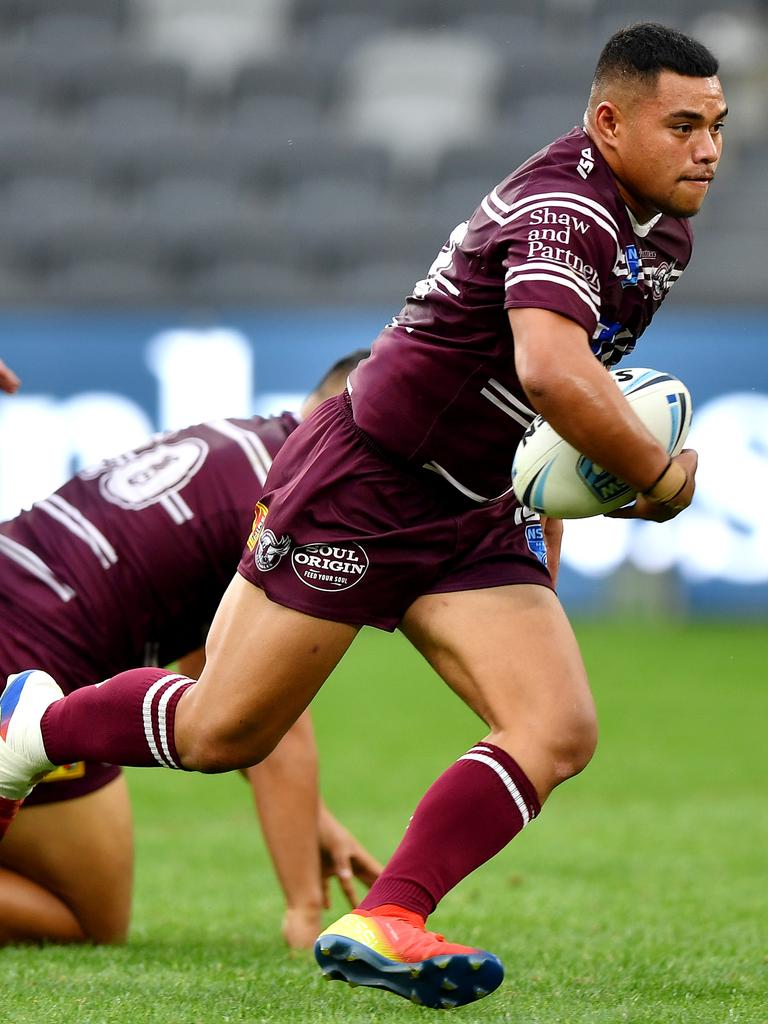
x: 642, y: 213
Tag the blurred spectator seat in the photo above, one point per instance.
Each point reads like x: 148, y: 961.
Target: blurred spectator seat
x: 329, y: 39
x: 419, y: 92
x: 108, y: 282
x: 213, y: 37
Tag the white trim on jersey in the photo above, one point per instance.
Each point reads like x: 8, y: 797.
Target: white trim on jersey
x: 522, y: 271
x: 176, y: 507
x: 437, y: 468
x: 251, y: 444
x: 74, y: 520
x: 521, y: 407
x: 512, y: 413
x: 505, y: 777
x: 563, y: 268
x: 550, y: 199
x: 608, y: 225
x: 35, y: 566
x: 561, y: 281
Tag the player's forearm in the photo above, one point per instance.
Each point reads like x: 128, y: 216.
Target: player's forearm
x: 285, y: 791
x: 574, y: 393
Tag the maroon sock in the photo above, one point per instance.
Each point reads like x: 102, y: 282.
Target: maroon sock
x: 127, y: 720
x: 470, y: 813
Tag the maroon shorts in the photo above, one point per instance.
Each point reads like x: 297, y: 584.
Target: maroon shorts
x: 71, y: 781
x: 20, y: 648
x: 345, y: 533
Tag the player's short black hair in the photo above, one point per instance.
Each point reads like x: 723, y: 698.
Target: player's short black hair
x: 644, y: 50
x: 345, y: 365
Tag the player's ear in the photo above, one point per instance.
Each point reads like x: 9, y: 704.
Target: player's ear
x: 606, y: 121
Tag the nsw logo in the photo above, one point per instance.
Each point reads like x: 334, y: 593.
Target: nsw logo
x: 335, y: 566
x: 270, y: 550
x: 534, y: 536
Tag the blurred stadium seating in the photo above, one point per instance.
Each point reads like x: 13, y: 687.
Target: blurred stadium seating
x: 258, y: 151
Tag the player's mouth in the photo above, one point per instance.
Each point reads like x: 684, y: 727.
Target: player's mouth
x: 702, y: 180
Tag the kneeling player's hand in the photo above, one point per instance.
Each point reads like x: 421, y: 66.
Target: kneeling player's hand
x: 344, y: 858
x: 301, y: 926
x: 669, y: 496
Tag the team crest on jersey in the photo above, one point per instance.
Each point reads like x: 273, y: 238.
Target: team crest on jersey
x: 661, y: 279
x: 334, y: 566
x: 534, y: 536
x: 259, y: 515
x: 270, y: 551
x: 156, y: 476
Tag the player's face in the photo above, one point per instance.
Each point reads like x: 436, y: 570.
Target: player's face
x: 671, y: 145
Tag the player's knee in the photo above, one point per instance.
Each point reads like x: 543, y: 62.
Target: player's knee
x: 113, y: 933
x: 573, y: 748
x: 212, y: 751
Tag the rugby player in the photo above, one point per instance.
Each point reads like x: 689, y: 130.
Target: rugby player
x: 391, y: 505
x: 123, y: 563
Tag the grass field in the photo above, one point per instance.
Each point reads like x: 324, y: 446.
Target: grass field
x: 640, y: 895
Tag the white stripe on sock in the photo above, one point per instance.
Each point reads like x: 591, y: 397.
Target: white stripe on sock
x: 162, y: 718
x: 147, y: 718
x: 506, y: 778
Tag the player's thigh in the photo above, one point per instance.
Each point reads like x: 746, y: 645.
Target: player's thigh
x: 264, y: 664
x: 81, y: 850
x: 510, y: 654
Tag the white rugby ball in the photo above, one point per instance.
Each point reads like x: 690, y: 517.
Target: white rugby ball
x: 551, y: 477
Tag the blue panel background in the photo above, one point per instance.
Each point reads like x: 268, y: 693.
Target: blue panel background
x: 713, y: 351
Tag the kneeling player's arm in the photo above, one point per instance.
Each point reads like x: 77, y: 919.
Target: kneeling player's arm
x: 285, y: 791
x: 576, y: 396
x: 192, y: 664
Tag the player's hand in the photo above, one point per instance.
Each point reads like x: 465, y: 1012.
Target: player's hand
x: 301, y: 926
x: 343, y: 857
x: 9, y: 382
x: 655, y: 511
x: 553, y: 538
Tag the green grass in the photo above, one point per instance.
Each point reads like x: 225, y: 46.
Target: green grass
x: 640, y: 895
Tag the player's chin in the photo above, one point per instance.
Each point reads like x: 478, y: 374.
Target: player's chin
x: 686, y: 201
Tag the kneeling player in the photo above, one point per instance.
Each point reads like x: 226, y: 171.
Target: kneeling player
x: 125, y: 561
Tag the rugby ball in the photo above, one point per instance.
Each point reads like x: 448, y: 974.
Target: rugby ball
x: 551, y: 477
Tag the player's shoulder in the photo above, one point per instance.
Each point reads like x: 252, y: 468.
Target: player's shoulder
x: 268, y: 434
x: 568, y: 175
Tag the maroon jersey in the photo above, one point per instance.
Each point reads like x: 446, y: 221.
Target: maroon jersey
x: 130, y: 559
x: 440, y: 388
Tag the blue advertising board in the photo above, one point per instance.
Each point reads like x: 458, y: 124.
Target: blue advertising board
x: 97, y: 384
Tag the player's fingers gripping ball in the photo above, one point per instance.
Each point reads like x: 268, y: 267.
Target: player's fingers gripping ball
x: 551, y: 477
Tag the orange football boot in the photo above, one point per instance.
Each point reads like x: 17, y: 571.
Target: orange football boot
x: 394, y: 951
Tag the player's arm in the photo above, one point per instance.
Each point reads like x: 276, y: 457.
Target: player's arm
x: 344, y: 858
x: 9, y: 382
x: 285, y: 791
x: 192, y: 664
x: 575, y: 394
x: 308, y: 846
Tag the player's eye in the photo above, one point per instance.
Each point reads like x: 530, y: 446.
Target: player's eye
x: 717, y: 128
x: 682, y: 129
